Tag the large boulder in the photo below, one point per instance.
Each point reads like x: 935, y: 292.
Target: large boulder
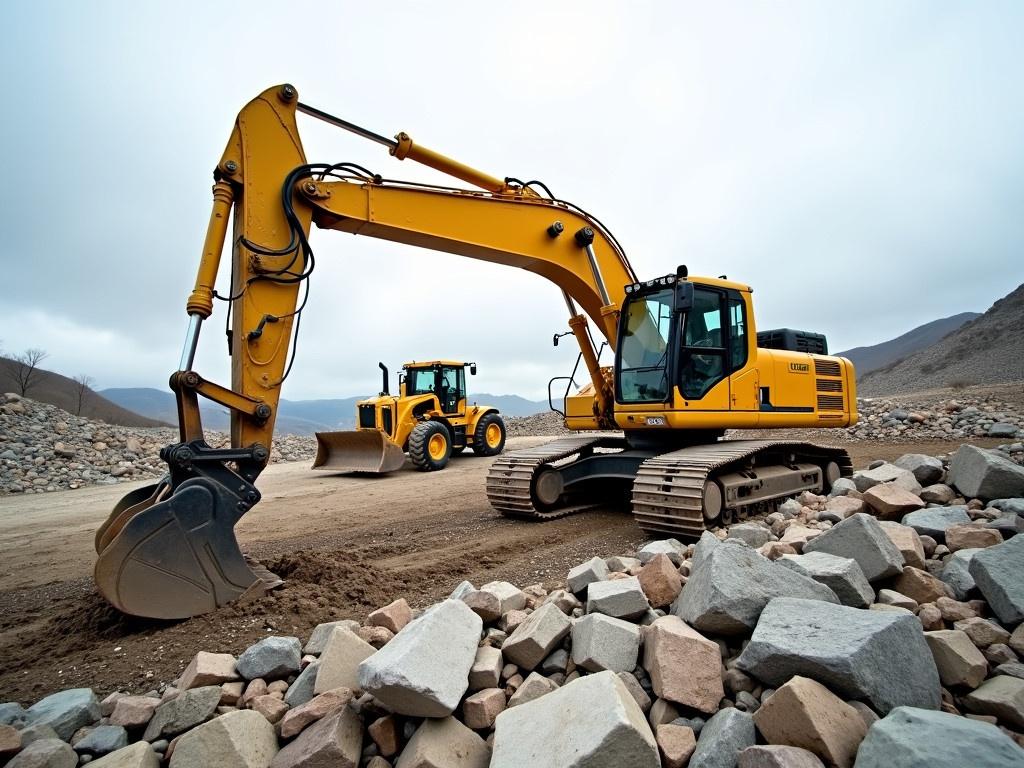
x: 335, y: 740
x: 890, y: 502
x: 424, y: 670
x: 445, y: 743
x: 1001, y: 696
x: 730, y: 585
x: 879, y: 656
x: 982, y: 474
x: 339, y: 663
x: 137, y: 755
x: 187, y: 710
x: 592, y: 722
x: 535, y: 638
x: 927, y: 470
x: 322, y: 633
x: 272, y: 658
x: 917, y: 738
x: 584, y: 574
x: 840, y: 574
x: 240, y: 739
x: 957, y: 658
x: 999, y: 573
x: 66, y: 711
x: 685, y: 667
x: 621, y: 598
x: 934, y: 521
x: 907, y: 541
x: 602, y: 642
x: 45, y: 753
x: 723, y: 738
x: 866, y: 479
x: 861, y: 538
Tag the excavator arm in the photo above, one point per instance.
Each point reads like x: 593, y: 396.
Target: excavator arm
x: 169, y: 551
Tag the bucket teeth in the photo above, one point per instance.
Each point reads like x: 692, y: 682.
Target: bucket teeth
x: 367, y: 451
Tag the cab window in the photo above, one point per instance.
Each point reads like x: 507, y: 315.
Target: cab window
x: 737, y: 333
x: 453, y: 388
x: 421, y: 381
x: 703, y: 353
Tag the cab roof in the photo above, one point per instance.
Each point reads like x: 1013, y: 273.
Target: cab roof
x: 429, y: 363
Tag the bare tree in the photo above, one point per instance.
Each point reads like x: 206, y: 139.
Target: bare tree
x: 83, y: 387
x: 26, y: 369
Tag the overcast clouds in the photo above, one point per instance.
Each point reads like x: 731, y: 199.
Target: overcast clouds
x: 861, y: 166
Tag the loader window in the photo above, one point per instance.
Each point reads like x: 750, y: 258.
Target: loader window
x: 421, y: 381
x: 453, y: 388
x: 702, y: 364
x: 644, y: 348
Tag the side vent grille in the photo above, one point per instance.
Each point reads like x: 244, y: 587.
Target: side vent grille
x: 830, y: 385
x: 385, y: 419
x: 827, y: 368
x: 367, y: 416
x: 830, y: 402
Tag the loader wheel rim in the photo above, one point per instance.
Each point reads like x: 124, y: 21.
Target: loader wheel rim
x: 436, y: 446
x: 492, y: 435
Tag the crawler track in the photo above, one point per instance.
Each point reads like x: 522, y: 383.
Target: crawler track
x: 668, y: 490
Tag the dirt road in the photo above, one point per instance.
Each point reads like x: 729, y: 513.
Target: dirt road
x: 344, y: 544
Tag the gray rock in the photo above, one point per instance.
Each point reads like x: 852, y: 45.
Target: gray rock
x: 535, y: 638
x: 424, y: 670
x: 272, y: 658
x: 1002, y: 429
x: 956, y: 573
x: 35, y: 732
x: 842, y: 486
x: 11, y: 713
x: 595, y: 569
x: 601, y: 642
x: 861, y: 538
x: 322, y: 633
x: 879, y: 656
x: 188, y: 710
x: 918, y: 738
x: 558, y: 661
x: 102, y: 739
x: 66, y: 711
x: 671, y: 547
x: 138, y: 755
x: 937, y: 494
x: 753, y: 534
x: 934, y: 521
x: 1010, y: 506
x: 621, y: 598
x: 731, y: 584
x: 1008, y: 524
x: 486, y: 669
x: 982, y: 474
x: 45, y: 753
x: 840, y: 574
x: 592, y: 722
x: 927, y: 470
x: 999, y: 574
x: 239, y: 739
x: 463, y: 589
x: 886, y: 473
x: 790, y: 508
x: 1002, y: 696
x: 1011, y: 669
x: 722, y: 739
x: 778, y: 756
x: 301, y: 690
x: 621, y: 564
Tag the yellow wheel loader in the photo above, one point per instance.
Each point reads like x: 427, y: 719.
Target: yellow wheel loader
x: 688, y: 364
x: 429, y: 419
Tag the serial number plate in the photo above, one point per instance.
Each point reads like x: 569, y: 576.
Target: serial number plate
x: 655, y: 421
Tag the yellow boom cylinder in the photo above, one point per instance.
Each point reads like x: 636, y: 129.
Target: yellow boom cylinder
x: 201, y: 301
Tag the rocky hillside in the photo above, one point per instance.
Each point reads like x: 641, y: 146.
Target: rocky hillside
x: 987, y: 350
x: 63, y: 392
x: 867, y: 359
x: 879, y: 626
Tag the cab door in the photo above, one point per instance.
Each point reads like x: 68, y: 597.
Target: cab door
x: 702, y: 379
x: 451, y: 390
x: 744, y: 377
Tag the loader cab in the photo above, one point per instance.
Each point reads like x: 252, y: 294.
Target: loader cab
x: 678, y: 334
x: 444, y: 379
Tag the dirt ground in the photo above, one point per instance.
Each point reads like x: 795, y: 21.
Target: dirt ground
x: 345, y: 546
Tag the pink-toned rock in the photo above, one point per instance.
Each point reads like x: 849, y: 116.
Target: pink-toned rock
x: 133, y: 711
x: 804, y: 713
x: 10, y: 740
x: 659, y: 579
x: 512, y: 619
x: 920, y: 586
x: 386, y: 734
x: 393, y: 616
x: 954, y: 610
x: 958, y: 660
x: 798, y: 535
x: 676, y: 743
x: 208, y: 669
x: 230, y: 693
x: 378, y: 637
x: 481, y: 709
x: 971, y: 535
x: 107, y: 704
x: 295, y: 720
x: 269, y: 706
x: 907, y: 541
x: 685, y: 667
x: 486, y: 605
x: 930, y: 617
x: 339, y: 664
x: 890, y: 502
x: 982, y: 632
x: 844, y: 506
x: 278, y: 686
x: 773, y: 550
x: 257, y: 687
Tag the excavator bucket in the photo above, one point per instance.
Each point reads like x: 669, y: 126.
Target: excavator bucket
x: 171, y: 556
x: 360, y: 451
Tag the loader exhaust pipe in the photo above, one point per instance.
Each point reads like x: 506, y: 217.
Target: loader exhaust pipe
x: 384, y: 386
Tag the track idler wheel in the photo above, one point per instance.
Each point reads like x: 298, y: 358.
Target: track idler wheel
x: 174, y: 556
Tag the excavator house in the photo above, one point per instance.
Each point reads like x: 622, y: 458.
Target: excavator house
x: 687, y: 364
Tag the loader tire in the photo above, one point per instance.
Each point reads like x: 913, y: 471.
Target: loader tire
x: 430, y: 446
x: 489, y: 435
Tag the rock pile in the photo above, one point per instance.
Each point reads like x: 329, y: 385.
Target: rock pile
x: 44, y: 448
x: 881, y: 625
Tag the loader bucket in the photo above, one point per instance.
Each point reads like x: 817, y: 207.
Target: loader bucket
x: 360, y: 451
x: 171, y: 556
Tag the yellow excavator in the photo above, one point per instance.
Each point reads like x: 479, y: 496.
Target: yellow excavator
x: 430, y: 419
x: 688, y: 364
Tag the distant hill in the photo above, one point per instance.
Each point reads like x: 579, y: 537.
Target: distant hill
x: 295, y: 417
x: 62, y: 392
x: 867, y: 359
x: 986, y: 350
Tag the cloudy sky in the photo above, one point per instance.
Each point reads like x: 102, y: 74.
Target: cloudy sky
x: 860, y: 165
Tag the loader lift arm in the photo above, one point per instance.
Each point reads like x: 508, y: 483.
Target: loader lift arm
x: 168, y: 551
